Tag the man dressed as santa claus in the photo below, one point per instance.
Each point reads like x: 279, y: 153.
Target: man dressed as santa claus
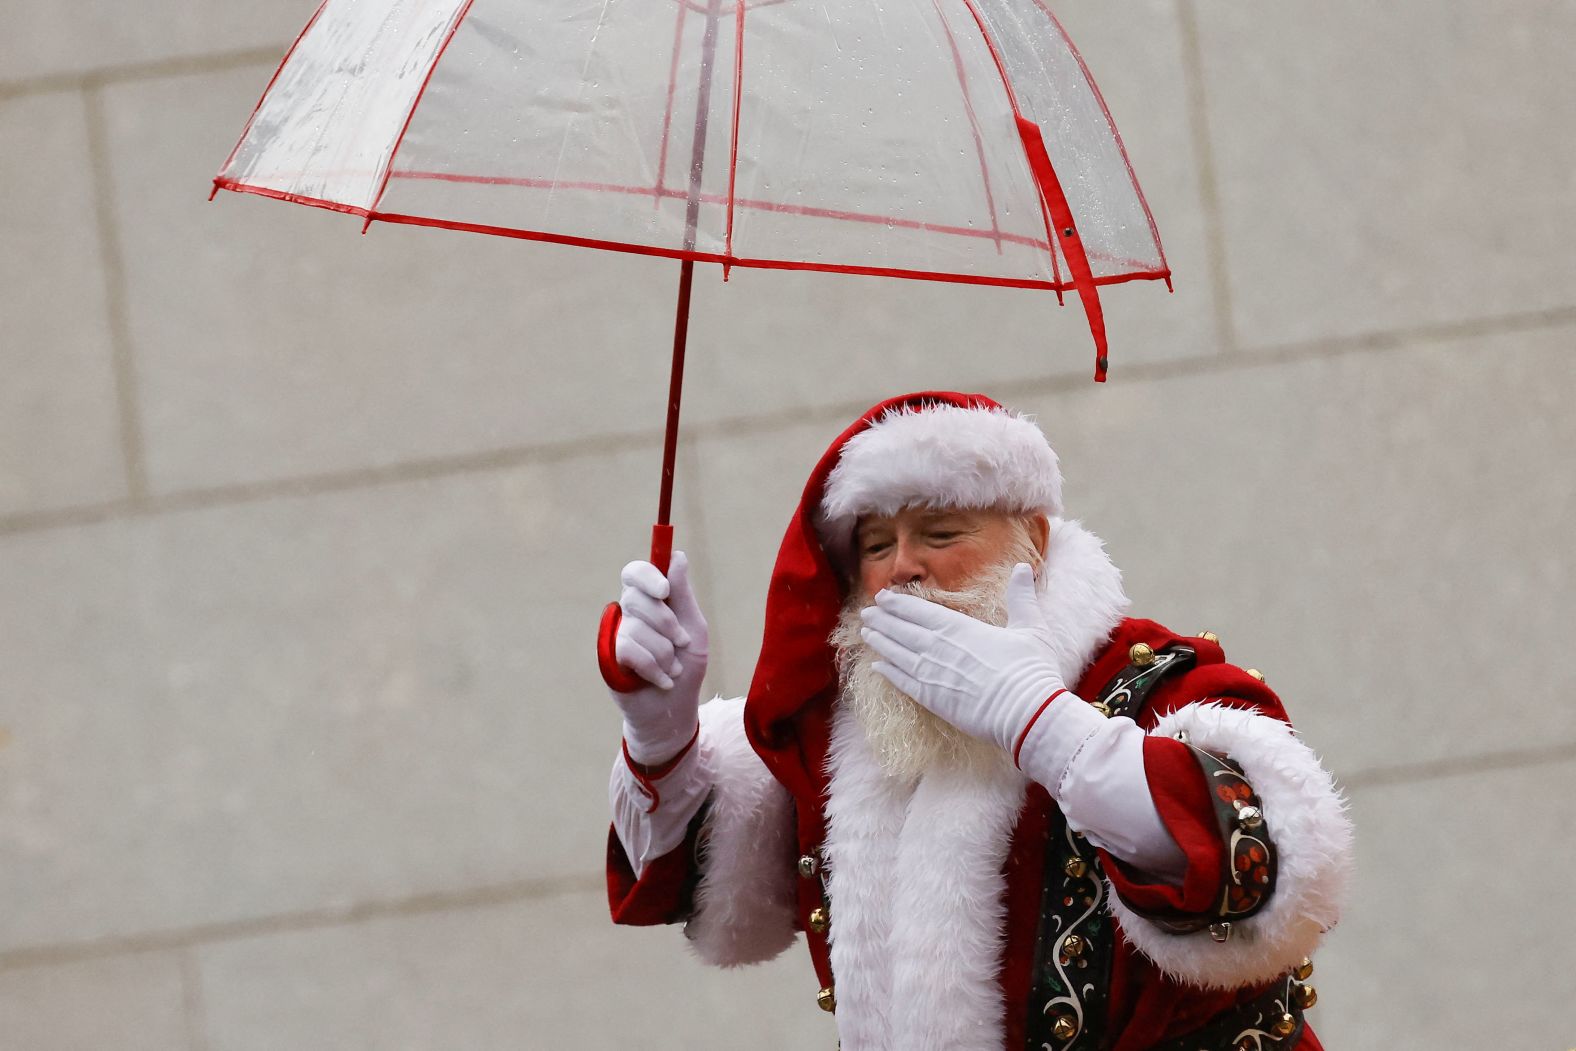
x: 1004, y: 814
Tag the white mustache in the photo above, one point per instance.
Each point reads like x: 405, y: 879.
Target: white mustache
x: 908, y: 739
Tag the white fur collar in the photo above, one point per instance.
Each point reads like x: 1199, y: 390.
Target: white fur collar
x: 914, y: 871
x: 1081, y: 594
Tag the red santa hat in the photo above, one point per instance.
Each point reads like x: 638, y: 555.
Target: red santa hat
x: 935, y: 449
x: 936, y: 454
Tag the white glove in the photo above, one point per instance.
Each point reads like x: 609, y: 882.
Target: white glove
x: 986, y: 681
x: 663, y: 639
x: 999, y: 684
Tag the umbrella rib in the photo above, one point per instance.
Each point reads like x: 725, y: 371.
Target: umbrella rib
x: 415, y: 103
x: 733, y: 153
x: 1012, y: 100
x: 974, y: 124
x: 708, y: 71
x: 667, y: 113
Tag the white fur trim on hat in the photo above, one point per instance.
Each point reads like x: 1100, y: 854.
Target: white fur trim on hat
x: 1306, y: 818
x: 940, y: 456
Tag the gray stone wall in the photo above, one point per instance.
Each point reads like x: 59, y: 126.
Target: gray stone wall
x: 303, y: 535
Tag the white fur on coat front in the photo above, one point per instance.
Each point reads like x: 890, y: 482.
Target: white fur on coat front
x: 744, y: 902
x: 1306, y: 819
x: 917, y: 900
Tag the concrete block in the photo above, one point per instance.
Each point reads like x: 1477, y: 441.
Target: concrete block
x: 59, y: 420
x: 1391, y: 168
x: 1457, y: 935
x: 548, y: 973
x: 135, y: 1002
x: 87, y: 35
x: 305, y: 704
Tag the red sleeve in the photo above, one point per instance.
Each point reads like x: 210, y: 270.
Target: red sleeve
x: 1182, y: 795
x: 665, y: 891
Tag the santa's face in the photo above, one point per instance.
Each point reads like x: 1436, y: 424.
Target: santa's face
x: 960, y: 559
x: 943, y: 549
x: 906, y: 739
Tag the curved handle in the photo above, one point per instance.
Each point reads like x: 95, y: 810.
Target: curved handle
x: 619, y: 678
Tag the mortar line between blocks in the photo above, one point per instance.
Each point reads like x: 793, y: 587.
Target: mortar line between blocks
x: 297, y: 922
x: 1277, y: 355
x: 185, y: 65
x: 1208, y: 179
x: 509, y: 458
x: 326, y: 484
x: 123, y: 361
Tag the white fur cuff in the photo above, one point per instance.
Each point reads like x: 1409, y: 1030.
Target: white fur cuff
x: 744, y: 903
x: 1306, y: 818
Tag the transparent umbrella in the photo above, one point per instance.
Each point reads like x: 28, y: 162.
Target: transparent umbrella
x: 945, y: 140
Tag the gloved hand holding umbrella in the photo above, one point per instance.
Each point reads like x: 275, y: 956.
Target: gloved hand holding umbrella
x: 663, y: 639
x: 950, y: 140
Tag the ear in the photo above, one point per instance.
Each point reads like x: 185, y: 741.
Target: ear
x: 1040, y: 533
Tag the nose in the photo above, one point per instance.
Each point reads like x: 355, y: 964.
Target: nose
x: 908, y: 567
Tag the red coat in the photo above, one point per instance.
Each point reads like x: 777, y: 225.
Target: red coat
x: 1143, y: 1007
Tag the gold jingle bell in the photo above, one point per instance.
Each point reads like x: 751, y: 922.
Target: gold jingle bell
x: 1283, y: 1028
x: 1101, y: 707
x: 1255, y: 673
x: 809, y: 865
x: 1303, y: 970
x: 1141, y: 654
x: 826, y: 1000
x: 818, y: 920
x: 1305, y: 995
x: 1064, y: 1028
x: 1208, y: 636
x: 1076, y: 868
x: 1073, y: 946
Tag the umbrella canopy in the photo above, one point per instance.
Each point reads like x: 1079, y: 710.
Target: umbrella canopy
x: 948, y: 140
x: 954, y: 140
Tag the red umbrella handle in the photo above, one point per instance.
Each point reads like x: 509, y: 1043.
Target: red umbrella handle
x: 618, y: 677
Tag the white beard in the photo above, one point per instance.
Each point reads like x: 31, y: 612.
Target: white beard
x: 906, y: 738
